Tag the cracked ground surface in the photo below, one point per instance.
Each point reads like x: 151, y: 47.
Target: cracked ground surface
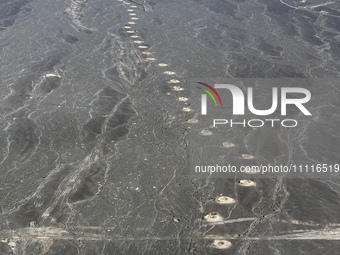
x: 95, y: 118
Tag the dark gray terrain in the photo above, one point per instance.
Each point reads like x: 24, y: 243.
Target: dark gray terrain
x: 94, y: 142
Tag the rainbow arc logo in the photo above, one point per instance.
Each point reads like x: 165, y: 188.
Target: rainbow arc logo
x: 204, y: 97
